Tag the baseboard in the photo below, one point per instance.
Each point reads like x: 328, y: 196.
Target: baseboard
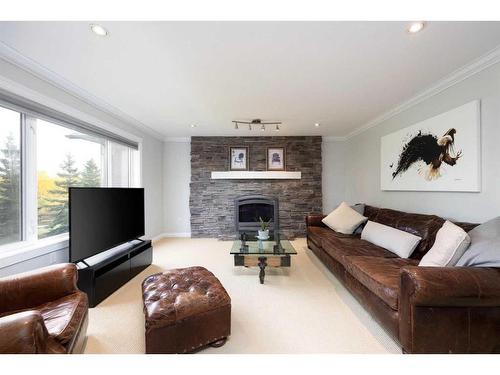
x: 169, y: 235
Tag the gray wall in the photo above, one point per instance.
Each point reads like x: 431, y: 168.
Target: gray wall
x: 362, y: 156
x: 212, y: 201
x: 152, y: 165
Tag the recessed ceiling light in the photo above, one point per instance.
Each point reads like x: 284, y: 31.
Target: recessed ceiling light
x: 98, y: 29
x: 317, y: 124
x: 416, y: 27
x: 194, y: 125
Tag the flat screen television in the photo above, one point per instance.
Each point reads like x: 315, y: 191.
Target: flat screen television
x: 102, y: 218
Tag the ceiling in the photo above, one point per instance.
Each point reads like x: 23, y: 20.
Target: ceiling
x: 169, y: 75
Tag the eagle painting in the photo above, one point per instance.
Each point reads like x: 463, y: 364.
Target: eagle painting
x: 430, y: 149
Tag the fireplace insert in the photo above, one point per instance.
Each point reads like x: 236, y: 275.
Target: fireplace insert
x: 249, y: 208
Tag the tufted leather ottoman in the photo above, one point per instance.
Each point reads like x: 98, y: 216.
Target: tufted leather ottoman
x: 185, y: 309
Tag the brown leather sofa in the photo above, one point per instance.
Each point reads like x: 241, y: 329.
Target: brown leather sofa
x: 43, y: 312
x: 426, y: 309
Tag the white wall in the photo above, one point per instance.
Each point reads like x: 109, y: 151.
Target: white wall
x: 176, y: 180
x: 151, y: 162
x: 362, y: 155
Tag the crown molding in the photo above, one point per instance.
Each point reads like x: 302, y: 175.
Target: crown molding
x: 452, y: 79
x: 34, y: 68
x: 177, y: 139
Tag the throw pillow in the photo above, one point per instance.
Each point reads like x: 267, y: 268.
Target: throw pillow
x: 484, y: 250
x: 344, y: 219
x: 360, y: 208
x: 449, y: 246
x: 396, y: 241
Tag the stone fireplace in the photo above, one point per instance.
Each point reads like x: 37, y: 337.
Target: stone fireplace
x: 212, y: 201
x: 248, y: 210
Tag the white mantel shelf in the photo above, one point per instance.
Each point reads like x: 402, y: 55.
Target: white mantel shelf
x: 256, y: 175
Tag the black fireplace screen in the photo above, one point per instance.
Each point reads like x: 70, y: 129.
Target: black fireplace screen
x: 252, y: 211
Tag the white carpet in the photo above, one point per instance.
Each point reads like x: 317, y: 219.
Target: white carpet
x: 303, y: 309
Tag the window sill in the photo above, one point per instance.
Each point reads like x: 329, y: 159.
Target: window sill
x: 20, y: 252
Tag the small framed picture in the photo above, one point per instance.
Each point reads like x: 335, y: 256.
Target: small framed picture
x: 275, y: 158
x: 238, y: 158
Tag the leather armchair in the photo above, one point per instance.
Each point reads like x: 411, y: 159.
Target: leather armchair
x: 457, y: 306
x: 43, y: 311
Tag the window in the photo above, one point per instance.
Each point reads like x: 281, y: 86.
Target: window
x: 10, y: 176
x: 119, y: 165
x: 39, y: 160
x: 65, y: 158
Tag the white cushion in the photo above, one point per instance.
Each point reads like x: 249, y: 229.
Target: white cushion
x: 396, y: 241
x: 344, y: 219
x: 449, y: 246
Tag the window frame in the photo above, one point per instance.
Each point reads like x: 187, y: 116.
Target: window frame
x: 9, y: 253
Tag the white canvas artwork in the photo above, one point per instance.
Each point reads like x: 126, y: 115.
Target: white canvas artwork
x: 441, y: 153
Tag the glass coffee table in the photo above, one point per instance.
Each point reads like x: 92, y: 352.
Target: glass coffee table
x: 268, y: 253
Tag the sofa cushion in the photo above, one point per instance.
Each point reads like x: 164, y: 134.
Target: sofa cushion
x: 397, y: 241
x: 339, y: 247
x: 484, y: 250
x: 63, y: 316
x: 451, y: 243
x: 379, y: 275
x: 421, y: 225
x: 344, y: 219
x: 317, y: 234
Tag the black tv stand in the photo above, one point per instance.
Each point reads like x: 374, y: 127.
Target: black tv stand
x: 102, y: 274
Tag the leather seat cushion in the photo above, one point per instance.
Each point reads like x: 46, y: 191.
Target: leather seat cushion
x: 340, y: 247
x: 379, y: 275
x: 181, y: 293
x: 64, y: 316
x: 317, y: 234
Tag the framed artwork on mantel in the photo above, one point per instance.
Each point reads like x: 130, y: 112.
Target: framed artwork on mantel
x: 238, y: 158
x: 276, y: 159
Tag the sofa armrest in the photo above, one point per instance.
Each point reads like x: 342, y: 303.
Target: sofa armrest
x: 449, y: 309
x: 315, y: 220
x: 30, y: 289
x: 23, y: 333
x: 451, y: 286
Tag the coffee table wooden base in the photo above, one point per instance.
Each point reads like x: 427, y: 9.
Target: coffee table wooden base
x: 253, y: 260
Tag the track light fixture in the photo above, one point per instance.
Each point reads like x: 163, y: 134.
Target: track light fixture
x: 257, y: 122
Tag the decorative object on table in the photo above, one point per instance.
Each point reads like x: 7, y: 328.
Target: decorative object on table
x: 275, y: 158
x: 437, y: 154
x: 243, y: 238
x: 238, y: 158
x: 277, y: 247
x: 264, y: 229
